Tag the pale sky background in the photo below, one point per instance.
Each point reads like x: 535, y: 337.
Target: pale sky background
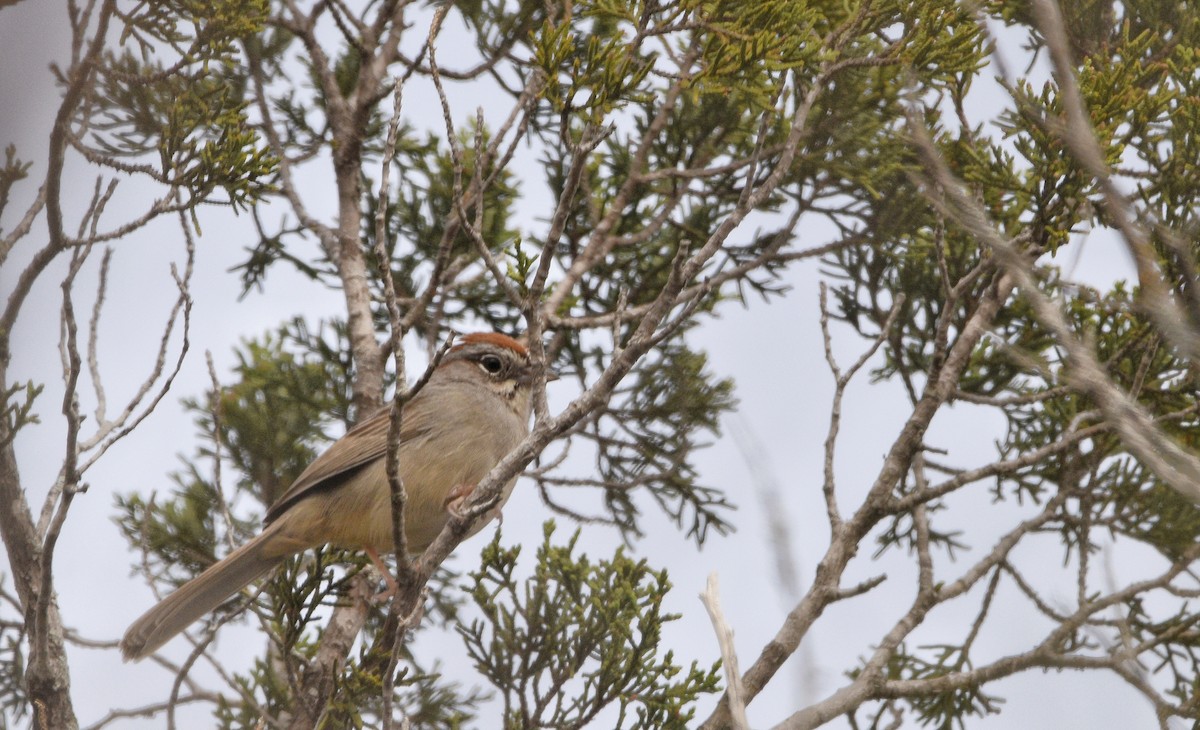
x: 772, y: 351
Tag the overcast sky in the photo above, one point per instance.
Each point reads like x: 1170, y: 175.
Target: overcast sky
x: 773, y: 352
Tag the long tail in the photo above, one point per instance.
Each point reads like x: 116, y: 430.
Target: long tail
x: 200, y: 595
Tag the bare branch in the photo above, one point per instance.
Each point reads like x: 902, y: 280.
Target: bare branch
x: 711, y: 598
x: 842, y: 380
x: 23, y: 226
x: 111, y: 431
x: 845, y: 540
x: 151, y: 710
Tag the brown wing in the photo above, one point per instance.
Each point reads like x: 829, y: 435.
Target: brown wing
x: 362, y: 444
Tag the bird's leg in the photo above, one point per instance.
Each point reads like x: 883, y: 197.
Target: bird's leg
x: 387, y: 594
x: 458, y: 497
x: 392, y: 587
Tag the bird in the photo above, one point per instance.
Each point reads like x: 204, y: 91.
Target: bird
x: 474, y: 409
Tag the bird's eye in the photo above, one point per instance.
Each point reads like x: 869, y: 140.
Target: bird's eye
x: 491, y: 363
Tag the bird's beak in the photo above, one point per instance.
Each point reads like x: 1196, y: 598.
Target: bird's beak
x: 530, y: 375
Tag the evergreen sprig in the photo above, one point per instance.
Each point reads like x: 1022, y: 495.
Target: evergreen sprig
x: 578, y: 637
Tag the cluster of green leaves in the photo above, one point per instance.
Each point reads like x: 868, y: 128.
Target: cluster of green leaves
x: 289, y: 606
x: 591, y: 72
x: 576, y: 637
x: 1039, y: 194
x: 574, y: 642
x: 178, y: 535
x: 1137, y: 73
x: 196, y: 30
x: 293, y: 606
x: 188, y: 115
x: 425, y: 697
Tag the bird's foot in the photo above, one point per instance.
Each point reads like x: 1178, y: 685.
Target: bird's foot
x: 458, y: 497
